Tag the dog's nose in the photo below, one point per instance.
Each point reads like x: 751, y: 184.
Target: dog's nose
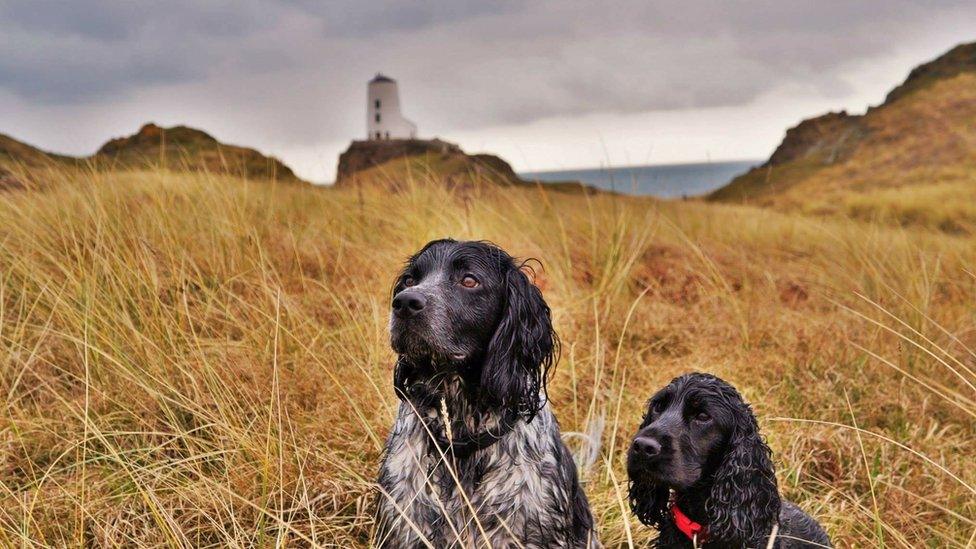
x: 647, y: 446
x: 407, y: 304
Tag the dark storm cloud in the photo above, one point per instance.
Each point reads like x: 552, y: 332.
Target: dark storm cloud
x: 462, y: 64
x: 66, y: 52
x: 378, y: 18
x: 110, y: 20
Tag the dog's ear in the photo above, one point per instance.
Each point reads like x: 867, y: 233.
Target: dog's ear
x: 649, y: 502
x: 744, y: 502
x: 522, y: 350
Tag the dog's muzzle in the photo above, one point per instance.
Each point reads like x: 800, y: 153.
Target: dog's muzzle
x: 408, y: 304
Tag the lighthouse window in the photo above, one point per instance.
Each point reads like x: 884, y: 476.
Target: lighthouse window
x: 377, y: 117
x: 377, y: 103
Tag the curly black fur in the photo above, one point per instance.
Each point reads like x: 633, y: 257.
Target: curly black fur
x: 701, y: 440
x: 522, y: 350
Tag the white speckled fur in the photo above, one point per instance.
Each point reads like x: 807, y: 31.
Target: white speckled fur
x: 520, y: 492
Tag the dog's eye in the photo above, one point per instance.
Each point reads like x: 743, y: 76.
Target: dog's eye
x: 470, y: 282
x: 408, y: 280
x: 659, y: 406
x: 702, y: 416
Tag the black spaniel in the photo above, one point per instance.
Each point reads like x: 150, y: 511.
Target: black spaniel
x: 475, y: 457
x: 701, y: 473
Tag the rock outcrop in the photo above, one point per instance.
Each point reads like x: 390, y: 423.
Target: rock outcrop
x: 823, y: 136
x: 363, y: 155
x: 371, y: 160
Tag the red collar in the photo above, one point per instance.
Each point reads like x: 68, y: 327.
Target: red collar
x: 690, y: 528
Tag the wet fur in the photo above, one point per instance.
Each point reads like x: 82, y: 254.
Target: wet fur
x: 522, y: 490
x: 726, y: 483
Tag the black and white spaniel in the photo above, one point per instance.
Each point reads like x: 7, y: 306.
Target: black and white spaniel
x: 475, y: 456
x: 701, y: 473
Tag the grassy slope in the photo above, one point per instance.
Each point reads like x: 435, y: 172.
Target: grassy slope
x: 200, y: 364
x: 919, y: 146
x: 456, y: 170
x: 13, y: 152
x: 177, y: 148
x: 188, y: 149
x: 392, y: 174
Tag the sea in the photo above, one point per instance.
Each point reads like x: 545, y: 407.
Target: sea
x: 660, y: 180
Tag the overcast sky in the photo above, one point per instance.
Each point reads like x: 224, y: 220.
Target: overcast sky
x: 546, y: 85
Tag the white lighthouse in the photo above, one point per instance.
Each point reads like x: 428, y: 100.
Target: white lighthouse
x: 384, y: 120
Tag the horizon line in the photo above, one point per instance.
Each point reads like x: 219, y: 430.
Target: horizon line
x: 632, y: 166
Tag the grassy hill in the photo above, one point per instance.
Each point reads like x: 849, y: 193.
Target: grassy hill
x: 909, y: 161
x: 393, y: 163
x: 221, y: 377
x: 178, y: 148
x: 17, y: 156
x: 13, y: 152
x: 184, y: 148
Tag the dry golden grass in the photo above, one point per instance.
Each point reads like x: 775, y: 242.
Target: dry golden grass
x: 911, y: 164
x: 189, y: 360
